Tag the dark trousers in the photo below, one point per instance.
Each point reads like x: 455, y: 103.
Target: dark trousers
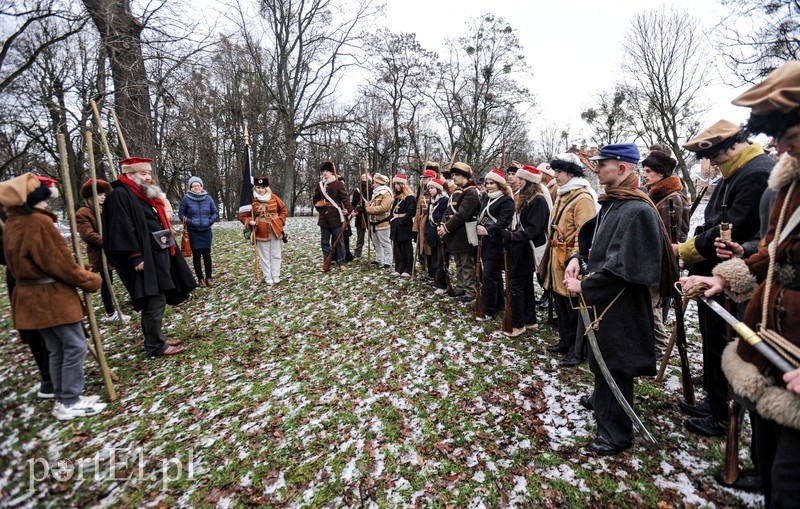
x: 612, y: 421
x: 712, y: 328
x: 41, y: 355
x: 403, y: 256
x: 567, y: 322
x: 523, y: 300
x: 105, y: 291
x: 205, y: 254
x: 492, y: 287
x: 439, y: 275
x: 778, y: 461
x: 327, y: 237
x: 359, y: 241
x: 152, y: 316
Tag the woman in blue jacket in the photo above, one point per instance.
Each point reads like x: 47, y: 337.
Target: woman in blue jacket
x: 199, y: 212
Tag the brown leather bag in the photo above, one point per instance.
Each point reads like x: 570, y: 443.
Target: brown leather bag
x: 186, y: 246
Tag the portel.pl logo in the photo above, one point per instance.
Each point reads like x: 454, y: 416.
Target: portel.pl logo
x: 113, y: 465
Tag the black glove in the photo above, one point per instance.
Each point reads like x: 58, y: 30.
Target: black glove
x: 507, y: 236
x: 362, y: 209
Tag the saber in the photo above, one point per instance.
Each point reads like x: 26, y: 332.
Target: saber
x: 749, y: 335
x: 598, y: 357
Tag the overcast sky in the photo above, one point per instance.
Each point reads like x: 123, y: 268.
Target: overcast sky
x: 573, y: 47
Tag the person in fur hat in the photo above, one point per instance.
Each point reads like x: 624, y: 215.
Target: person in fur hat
x: 378, y: 210
x: 91, y: 236
x: 45, y: 298
x: 267, y: 218
x: 576, y: 203
x: 139, y: 243
x: 199, y: 213
x: 775, y: 111
x: 333, y: 204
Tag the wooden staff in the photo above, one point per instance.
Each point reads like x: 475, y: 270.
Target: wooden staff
x: 119, y: 134
x: 87, y: 297
x: 369, y: 231
x: 99, y: 219
x: 508, y: 323
x: 102, y: 131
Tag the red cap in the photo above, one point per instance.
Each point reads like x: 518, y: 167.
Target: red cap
x: 429, y: 174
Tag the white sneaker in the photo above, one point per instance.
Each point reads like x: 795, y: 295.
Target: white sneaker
x: 116, y: 316
x: 45, y: 395
x: 440, y: 292
x: 85, y: 406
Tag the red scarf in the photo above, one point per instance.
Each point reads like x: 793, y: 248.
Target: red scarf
x: 155, y: 203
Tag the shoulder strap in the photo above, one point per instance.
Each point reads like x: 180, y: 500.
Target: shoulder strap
x: 336, y: 205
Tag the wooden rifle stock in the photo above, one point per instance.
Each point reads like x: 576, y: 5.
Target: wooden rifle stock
x: 327, y: 265
x: 479, y: 311
x: 508, y: 324
x: 731, y: 469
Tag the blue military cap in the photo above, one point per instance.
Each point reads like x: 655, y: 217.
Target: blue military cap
x: 621, y: 151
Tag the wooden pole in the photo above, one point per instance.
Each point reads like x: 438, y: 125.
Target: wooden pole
x: 76, y: 248
x: 106, y: 149
x: 119, y: 134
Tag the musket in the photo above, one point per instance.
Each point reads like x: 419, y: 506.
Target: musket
x: 697, y: 199
x: 97, y: 351
x: 679, y: 331
x: 446, y: 267
x: 479, y: 311
x: 327, y: 265
x: 508, y: 323
x: 612, y: 384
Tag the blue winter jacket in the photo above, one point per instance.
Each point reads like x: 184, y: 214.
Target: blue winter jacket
x: 199, y: 215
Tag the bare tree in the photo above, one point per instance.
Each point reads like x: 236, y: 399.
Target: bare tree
x: 480, y: 92
x: 610, y: 120
x: 758, y: 36
x: 665, y: 69
x: 301, y: 48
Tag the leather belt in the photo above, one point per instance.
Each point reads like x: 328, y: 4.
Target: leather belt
x: 33, y: 282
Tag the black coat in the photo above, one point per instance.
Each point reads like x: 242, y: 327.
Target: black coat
x: 358, y: 201
x: 533, y: 219
x: 623, y: 253
x: 463, y: 209
x: 502, y: 210
x: 401, y: 227
x: 741, y: 192
x: 436, y: 212
x: 127, y: 226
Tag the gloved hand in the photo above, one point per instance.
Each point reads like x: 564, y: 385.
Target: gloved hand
x: 507, y: 235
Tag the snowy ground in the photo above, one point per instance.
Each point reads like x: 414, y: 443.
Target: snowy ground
x: 339, y: 389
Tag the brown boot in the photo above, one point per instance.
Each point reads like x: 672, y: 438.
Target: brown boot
x: 201, y: 283
x: 209, y: 282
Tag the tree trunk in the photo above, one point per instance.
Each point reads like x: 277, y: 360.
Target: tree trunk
x: 120, y: 34
x: 289, y: 154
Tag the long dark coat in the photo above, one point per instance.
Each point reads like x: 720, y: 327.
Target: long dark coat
x: 624, y: 253
x: 436, y: 212
x: 127, y: 240
x: 463, y: 209
x: 533, y: 219
x: 328, y: 215
x: 401, y: 227
x: 502, y: 210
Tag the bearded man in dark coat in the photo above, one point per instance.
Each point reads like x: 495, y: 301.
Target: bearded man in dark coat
x: 616, y: 279
x: 138, y: 241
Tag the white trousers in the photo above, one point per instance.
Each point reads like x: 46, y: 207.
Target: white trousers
x: 269, y: 259
x: 382, y: 246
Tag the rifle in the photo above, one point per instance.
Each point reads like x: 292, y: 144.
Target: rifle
x: 679, y: 331
x: 327, y: 265
x: 508, y: 324
x: 697, y: 201
x: 446, y: 267
x: 479, y: 312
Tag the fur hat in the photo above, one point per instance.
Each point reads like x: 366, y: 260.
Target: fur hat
x: 515, y: 166
x: 261, y: 181
x: 545, y: 169
x: 47, y: 189
x: 497, y: 176
x: 432, y: 165
x: 14, y: 192
x: 568, y: 163
x: 134, y: 164
x: 462, y: 169
x: 660, y: 163
x: 103, y: 187
x: 437, y: 183
x: 529, y: 173
x: 380, y: 179
x: 400, y: 178
x: 327, y: 166
x: 192, y: 180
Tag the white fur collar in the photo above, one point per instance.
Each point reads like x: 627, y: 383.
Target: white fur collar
x: 785, y: 171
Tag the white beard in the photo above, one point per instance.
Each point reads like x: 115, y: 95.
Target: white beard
x: 149, y: 190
